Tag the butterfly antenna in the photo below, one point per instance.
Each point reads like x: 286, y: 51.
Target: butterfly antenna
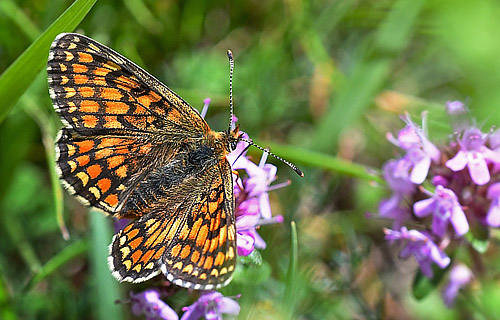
x: 291, y: 165
x: 232, y: 125
x: 231, y: 68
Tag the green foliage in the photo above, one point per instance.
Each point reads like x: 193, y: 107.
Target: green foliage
x: 320, y: 82
x: 19, y: 75
x: 422, y: 286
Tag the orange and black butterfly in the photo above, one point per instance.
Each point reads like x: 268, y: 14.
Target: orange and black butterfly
x: 133, y: 148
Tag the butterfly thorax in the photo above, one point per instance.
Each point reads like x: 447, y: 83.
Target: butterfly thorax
x: 191, y: 159
x: 224, y: 142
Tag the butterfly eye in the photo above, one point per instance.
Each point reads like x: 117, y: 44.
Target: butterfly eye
x: 232, y: 145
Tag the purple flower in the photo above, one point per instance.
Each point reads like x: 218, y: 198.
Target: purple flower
x: 459, y: 115
x: 420, y: 152
x: 396, y: 175
x: 245, y: 243
x: 149, y: 304
x: 247, y: 236
x: 493, y: 215
x: 247, y: 217
x: 440, y: 181
x: 121, y: 223
x: 455, y: 108
x: 211, y: 305
x: 421, y: 247
x: 253, y: 208
x: 494, y: 140
x: 392, y: 209
x: 204, y: 111
x: 238, y: 158
x: 445, y: 207
x: 258, y: 183
x: 460, y: 276
x: 473, y: 154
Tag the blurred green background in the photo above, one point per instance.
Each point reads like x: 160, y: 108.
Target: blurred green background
x: 320, y: 82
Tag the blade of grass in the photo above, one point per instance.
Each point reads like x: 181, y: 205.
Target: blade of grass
x: 15, y: 231
x: 290, y: 297
x: 67, y: 254
x: 143, y: 15
x: 20, y: 74
x: 369, y: 73
x: 106, y: 288
x: 321, y: 160
x: 11, y: 10
x: 47, y: 130
x: 6, y: 308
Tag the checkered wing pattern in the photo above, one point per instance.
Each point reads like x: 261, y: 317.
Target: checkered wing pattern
x: 120, y: 122
x: 133, y: 148
x: 193, y: 242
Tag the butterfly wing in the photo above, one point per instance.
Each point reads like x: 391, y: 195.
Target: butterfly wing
x: 190, y: 237
x: 119, y: 121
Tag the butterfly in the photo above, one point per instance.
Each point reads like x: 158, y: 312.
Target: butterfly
x: 134, y: 149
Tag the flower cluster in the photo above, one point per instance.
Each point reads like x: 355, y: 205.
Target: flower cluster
x: 252, y: 199
x: 149, y: 304
x: 210, y: 305
x: 252, y: 209
x: 451, y: 191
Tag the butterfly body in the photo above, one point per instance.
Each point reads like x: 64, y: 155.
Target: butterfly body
x: 133, y: 148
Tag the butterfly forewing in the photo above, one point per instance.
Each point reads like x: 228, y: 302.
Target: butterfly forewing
x: 126, y: 149
x: 121, y: 115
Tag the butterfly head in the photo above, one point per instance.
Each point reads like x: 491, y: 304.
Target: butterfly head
x: 233, y: 137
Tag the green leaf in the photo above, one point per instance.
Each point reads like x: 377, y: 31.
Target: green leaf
x: 7, y: 310
x: 106, y: 289
x: 20, y: 74
x: 422, y: 285
x: 478, y: 238
x: 252, y: 275
x: 254, y: 258
x: 67, y: 254
x: 290, y: 296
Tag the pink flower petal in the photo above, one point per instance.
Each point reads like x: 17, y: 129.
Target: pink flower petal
x: 439, y: 225
x: 439, y: 257
x: 460, y: 276
x: 420, y: 170
x: 458, y: 162
x: 493, y: 156
x: 493, y: 216
x: 494, y: 191
x: 459, y: 221
x: 424, y: 207
x: 478, y: 170
x: 388, y: 207
x: 245, y: 244
x: 229, y: 306
x: 265, y: 206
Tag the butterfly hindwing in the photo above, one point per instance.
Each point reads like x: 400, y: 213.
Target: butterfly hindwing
x: 192, y: 242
